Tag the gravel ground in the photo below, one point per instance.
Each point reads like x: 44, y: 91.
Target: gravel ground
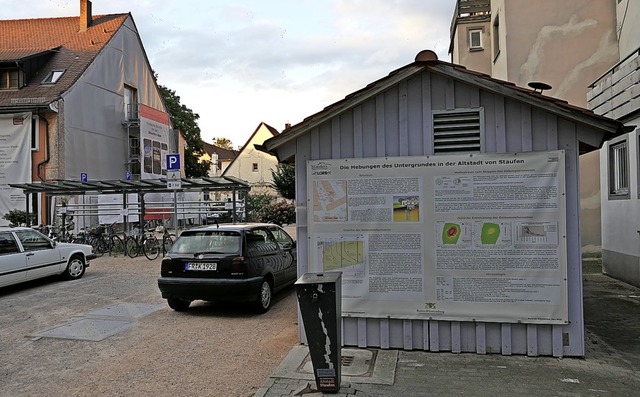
x: 211, y: 350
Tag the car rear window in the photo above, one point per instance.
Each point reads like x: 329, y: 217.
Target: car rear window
x: 224, y: 242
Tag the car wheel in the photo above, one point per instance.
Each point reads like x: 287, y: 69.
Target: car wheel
x: 178, y: 304
x: 75, y: 268
x: 263, y: 300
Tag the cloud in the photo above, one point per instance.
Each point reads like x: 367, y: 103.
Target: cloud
x: 239, y: 63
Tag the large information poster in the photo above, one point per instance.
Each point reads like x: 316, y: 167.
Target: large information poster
x: 451, y: 237
x: 154, y: 132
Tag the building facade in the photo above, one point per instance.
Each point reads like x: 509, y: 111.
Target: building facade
x: 254, y: 166
x: 79, y: 99
x: 616, y: 94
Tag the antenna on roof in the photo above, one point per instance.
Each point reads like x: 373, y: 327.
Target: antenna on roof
x: 538, y: 85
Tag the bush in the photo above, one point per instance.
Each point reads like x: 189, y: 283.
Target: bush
x: 270, y: 209
x: 18, y: 217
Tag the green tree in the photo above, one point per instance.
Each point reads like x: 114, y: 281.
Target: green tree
x: 224, y: 143
x: 284, y: 180
x: 186, y: 121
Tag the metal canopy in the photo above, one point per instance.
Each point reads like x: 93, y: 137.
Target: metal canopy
x: 64, y: 187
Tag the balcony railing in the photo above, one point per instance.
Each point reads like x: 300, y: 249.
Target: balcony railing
x: 616, y: 93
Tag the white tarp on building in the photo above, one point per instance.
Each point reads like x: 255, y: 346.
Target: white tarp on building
x: 15, y: 159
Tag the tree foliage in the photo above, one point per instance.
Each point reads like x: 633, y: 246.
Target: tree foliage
x: 186, y: 121
x: 224, y: 143
x: 284, y: 180
x: 264, y: 207
x: 18, y: 217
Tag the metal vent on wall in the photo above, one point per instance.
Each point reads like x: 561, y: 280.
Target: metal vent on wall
x: 457, y: 131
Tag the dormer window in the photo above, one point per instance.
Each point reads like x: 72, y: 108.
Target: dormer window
x: 9, y: 79
x: 53, y: 76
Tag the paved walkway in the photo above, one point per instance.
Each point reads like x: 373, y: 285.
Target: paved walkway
x: 611, y: 366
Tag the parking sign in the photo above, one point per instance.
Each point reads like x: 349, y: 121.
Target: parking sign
x: 173, y: 162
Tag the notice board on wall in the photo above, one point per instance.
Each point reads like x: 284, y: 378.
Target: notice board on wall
x: 466, y: 237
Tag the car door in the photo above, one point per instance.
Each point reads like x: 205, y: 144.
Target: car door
x: 264, y: 249
x: 13, y: 262
x: 43, y: 257
x: 289, y: 253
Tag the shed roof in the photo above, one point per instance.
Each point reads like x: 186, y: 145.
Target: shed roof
x: 64, y: 187
x: 430, y: 64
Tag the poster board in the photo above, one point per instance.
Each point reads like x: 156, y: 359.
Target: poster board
x: 154, y: 135
x: 464, y: 237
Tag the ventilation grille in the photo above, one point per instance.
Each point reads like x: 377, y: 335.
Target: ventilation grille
x: 457, y: 132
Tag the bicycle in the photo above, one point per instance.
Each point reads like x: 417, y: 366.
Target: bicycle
x: 114, y: 243
x: 145, y: 242
x: 167, y: 240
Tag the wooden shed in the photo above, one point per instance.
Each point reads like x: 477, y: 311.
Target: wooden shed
x: 449, y: 200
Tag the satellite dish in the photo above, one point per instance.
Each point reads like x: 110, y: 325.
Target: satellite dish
x: 539, y: 86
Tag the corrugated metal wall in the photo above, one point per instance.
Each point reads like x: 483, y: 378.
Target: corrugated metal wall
x: 398, y: 122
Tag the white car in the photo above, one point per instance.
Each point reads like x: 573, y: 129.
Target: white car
x: 26, y: 254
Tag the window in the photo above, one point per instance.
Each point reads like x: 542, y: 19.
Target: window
x: 8, y: 244
x: 130, y: 103
x: 9, y: 79
x: 53, y: 76
x: 618, y: 170
x: 496, y: 37
x: 33, y: 241
x: 475, y: 39
x: 458, y: 131
x: 255, y: 167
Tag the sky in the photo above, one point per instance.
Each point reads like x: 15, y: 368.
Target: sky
x: 237, y: 63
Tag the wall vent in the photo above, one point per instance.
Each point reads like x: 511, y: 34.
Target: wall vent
x: 458, y: 131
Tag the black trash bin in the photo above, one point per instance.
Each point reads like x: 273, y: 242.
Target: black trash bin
x: 320, y: 299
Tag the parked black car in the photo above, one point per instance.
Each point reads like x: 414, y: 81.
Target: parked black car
x: 239, y: 262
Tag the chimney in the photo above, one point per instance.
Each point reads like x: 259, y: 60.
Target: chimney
x: 85, y: 14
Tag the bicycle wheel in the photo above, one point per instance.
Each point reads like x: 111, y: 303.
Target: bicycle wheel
x: 132, y: 247
x: 98, y: 245
x: 117, y: 246
x: 167, y: 242
x: 151, y: 247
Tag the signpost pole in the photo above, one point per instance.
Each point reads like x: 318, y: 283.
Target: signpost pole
x: 174, y: 182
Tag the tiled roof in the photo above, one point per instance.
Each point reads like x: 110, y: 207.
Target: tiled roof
x: 72, y: 50
x: 17, y: 54
x: 223, y: 154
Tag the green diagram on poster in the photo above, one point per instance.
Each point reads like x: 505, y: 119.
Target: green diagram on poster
x: 490, y: 233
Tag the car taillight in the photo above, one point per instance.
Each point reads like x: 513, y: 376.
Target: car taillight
x: 238, y: 266
x: 165, y: 266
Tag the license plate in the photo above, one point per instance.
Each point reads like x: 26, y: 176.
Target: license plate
x: 201, y: 266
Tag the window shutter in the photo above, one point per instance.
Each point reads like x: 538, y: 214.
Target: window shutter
x: 457, y: 131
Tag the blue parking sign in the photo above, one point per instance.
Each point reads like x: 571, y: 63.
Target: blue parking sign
x: 173, y: 162
x: 84, y: 177
x: 127, y: 175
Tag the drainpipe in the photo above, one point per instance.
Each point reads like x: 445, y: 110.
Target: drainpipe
x: 47, y: 156
x: 41, y: 165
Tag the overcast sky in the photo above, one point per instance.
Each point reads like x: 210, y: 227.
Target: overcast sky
x: 237, y: 63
